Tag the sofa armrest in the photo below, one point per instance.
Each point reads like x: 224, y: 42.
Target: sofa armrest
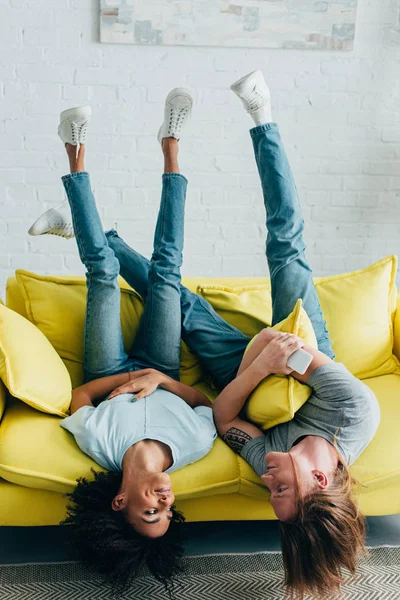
x: 396, y: 329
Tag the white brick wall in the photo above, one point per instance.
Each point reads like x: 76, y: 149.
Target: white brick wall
x: 339, y: 115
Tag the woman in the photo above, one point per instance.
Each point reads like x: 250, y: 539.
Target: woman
x: 155, y: 424
x: 304, y: 463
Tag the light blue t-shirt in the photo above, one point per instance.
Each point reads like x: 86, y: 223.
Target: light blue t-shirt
x: 105, y: 433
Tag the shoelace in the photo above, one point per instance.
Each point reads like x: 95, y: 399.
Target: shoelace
x: 255, y: 99
x: 176, y: 118
x: 61, y: 226
x: 62, y: 230
x: 78, y: 132
x: 74, y: 133
x: 82, y: 132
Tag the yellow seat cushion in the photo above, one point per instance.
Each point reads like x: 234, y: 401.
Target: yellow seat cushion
x: 277, y: 398
x: 36, y: 452
x: 57, y: 305
x: 378, y: 467
x: 29, y: 507
x: 26, y: 436
x: 30, y: 367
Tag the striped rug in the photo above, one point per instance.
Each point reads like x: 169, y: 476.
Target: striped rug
x: 219, y: 577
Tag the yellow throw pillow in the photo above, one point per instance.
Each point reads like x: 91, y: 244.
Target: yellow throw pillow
x: 57, y: 305
x: 359, y: 309
x: 248, y: 308
x: 30, y: 367
x: 396, y: 327
x: 277, y: 398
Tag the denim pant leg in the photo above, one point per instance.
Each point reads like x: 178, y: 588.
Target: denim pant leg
x: 157, y: 343
x: 104, y: 352
x: 219, y: 346
x: 291, y: 276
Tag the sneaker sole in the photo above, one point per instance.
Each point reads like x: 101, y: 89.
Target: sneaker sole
x: 179, y: 92
x: 78, y: 112
x: 251, y: 78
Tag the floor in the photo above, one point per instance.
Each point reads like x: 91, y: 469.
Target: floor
x: 46, y: 544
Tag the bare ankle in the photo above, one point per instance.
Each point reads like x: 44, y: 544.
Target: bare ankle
x: 170, y: 145
x: 76, y: 157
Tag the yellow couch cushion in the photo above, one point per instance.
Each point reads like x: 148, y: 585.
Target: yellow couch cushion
x: 3, y: 398
x: 277, y: 398
x: 22, y: 506
x: 396, y: 329
x: 36, y: 452
x: 27, y: 507
x: 247, y: 307
x: 359, y: 308
x: 14, y: 297
x: 3, y: 389
x: 379, y: 465
x: 56, y: 305
x: 29, y: 367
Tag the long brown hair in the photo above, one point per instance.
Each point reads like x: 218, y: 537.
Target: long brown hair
x: 326, y: 536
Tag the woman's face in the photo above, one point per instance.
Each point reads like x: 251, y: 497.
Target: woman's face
x: 149, y: 505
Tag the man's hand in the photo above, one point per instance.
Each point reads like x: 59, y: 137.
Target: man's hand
x: 142, y: 383
x: 274, y: 357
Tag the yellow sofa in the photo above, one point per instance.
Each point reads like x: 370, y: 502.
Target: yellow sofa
x: 40, y: 462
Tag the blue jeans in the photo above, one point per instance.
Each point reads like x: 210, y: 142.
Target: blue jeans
x: 220, y: 346
x: 157, y: 343
x: 291, y: 276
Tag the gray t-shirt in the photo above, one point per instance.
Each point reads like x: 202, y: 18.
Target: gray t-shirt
x: 340, y: 405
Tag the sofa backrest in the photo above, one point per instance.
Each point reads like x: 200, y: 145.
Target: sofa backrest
x: 15, y: 299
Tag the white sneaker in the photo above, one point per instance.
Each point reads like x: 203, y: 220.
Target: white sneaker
x: 55, y: 221
x: 73, y: 124
x: 177, y: 113
x: 255, y: 95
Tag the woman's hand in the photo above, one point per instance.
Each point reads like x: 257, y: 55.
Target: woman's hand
x: 274, y: 357
x: 142, y: 383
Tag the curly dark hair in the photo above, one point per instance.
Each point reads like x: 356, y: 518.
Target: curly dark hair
x: 105, y: 542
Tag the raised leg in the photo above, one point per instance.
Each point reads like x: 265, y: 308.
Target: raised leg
x: 157, y: 343
x: 291, y: 276
x: 219, y: 346
x: 104, y: 352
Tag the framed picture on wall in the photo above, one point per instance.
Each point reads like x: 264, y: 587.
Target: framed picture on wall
x: 302, y: 24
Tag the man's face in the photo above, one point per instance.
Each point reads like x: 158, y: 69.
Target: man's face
x: 280, y: 479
